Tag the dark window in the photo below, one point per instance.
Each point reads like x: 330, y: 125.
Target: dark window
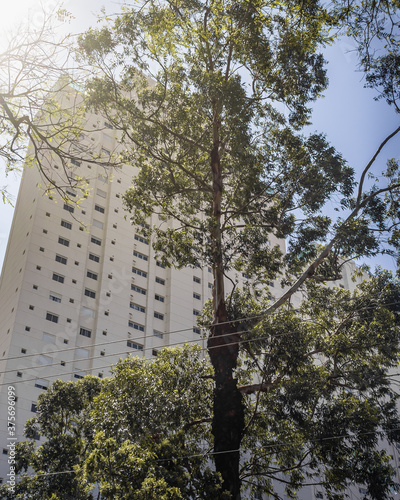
x: 139, y: 272
x: 76, y: 162
x: 61, y: 259
x: 69, y: 208
x: 34, y: 407
x: 158, y: 315
x: 142, y: 240
x: 96, y: 241
x: 92, y: 275
x: 99, y: 209
x: 85, y: 332
x: 160, y: 280
x: 90, y: 293
x: 138, y: 289
x: 133, y: 345
x: 137, y: 307
x: 63, y: 241
x: 94, y: 257
x: 52, y: 317
x: 196, y: 296
x: 136, y: 326
x: 159, y: 297
x: 140, y: 255
x: 196, y: 279
x: 196, y: 330
x: 66, y: 224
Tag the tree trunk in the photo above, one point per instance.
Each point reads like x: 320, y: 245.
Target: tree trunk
x: 223, y: 349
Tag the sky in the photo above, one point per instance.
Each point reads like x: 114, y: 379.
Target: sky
x: 352, y: 120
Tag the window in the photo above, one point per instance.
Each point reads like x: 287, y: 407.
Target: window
x: 96, y: 241
x: 140, y: 255
x: 61, y: 259
x: 92, y: 275
x: 52, y: 317
x: 159, y: 298
x: 35, y: 287
x: 34, y: 407
x: 23, y: 351
x: 48, y: 338
x: 85, y: 332
x: 82, y: 353
x: 196, y: 296
x: 142, y: 240
x: 210, y: 285
x: 44, y: 231
x: 41, y: 249
x: 90, y: 293
x: 139, y: 272
x: 158, y: 315
x: 31, y: 307
x: 68, y: 208
x: 196, y: 313
x: 19, y: 374
x: 94, y: 257
x: 154, y: 352
x: 87, y: 312
x: 102, y: 353
x: 158, y: 334
x: 55, y: 297
x: 138, y: 289
x: 137, y: 307
x: 44, y: 360
x: 47, y: 214
x: 76, y: 162
x: 78, y: 375
x: 100, y: 209
x: 196, y: 330
x: 41, y: 384
x: 27, y: 329
x: 159, y: 264
x: 66, y: 224
x: 101, y: 193
x: 98, y: 224
x: 133, y: 345
x: 107, y: 125
x: 63, y: 241
x: 196, y: 279
x: 136, y: 326
x: 160, y: 280
x: 319, y: 495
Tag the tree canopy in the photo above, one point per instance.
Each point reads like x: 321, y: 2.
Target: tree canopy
x: 325, y: 398
x: 217, y: 137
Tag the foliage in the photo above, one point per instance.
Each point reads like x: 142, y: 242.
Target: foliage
x: 131, y: 435
x: 324, y: 399
x: 41, y: 113
x: 216, y: 137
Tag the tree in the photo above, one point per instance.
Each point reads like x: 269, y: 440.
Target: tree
x: 325, y: 398
x: 133, y: 435
x: 41, y: 113
x: 216, y: 135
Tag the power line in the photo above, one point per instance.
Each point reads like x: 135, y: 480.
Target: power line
x: 144, y: 337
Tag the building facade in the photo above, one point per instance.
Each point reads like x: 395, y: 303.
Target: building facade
x: 80, y: 288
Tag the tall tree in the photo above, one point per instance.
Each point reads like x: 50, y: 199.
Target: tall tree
x: 216, y: 136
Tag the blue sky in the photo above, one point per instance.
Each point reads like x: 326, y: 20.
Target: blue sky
x: 353, y: 122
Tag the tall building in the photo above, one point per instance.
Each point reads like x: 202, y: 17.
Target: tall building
x: 80, y: 288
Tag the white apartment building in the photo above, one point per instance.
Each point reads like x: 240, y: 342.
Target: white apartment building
x: 81, y: 289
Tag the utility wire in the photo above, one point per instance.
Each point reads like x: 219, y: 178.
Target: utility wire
x: 144, y: 337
